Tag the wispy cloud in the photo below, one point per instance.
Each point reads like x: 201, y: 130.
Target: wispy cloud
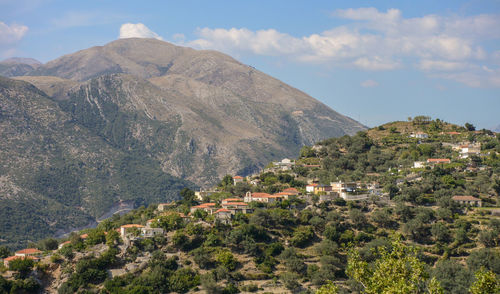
x: 11, y: 34
x: 137, y: 30
x: 452, y: 47
x: 369, y: 84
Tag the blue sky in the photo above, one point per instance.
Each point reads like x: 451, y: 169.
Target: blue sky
x: 376, y: 61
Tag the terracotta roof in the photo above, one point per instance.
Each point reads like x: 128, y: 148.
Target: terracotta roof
x: 132, y: 226
x: 16, y: 257
x: 232, y: 199
x: 65, y: 243
x: 237, y: 177
x: 222, y: 210
x: 453, y: 133
x: 84, y: 236
x: 260, y: 195
x: 466, y: 198
x: 235, y: 203
x: 312, y: 185
x: 29, y: 251
x: 291, y: 190
x: 207, y: 204
x: 438, y: 160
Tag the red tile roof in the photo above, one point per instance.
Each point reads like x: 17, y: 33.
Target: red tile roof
x: 16, y: 257
x: 438, y: 160
x: 84, y: 236
x: 235, y: 203
x: 291, y: 190
x: 29, y: 251
x: 237, y: 177
x: 132, y: 226
x: 222, y: 210
x: 232, y: 199
x: 260, y: 195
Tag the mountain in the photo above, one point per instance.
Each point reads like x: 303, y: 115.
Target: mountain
x: 18, y: 66
x: 497, y: 129
x: 55, y: 174
x: 201, y: 113
x: 135, y: 121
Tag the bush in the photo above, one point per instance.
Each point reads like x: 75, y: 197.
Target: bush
x: 302, y: 236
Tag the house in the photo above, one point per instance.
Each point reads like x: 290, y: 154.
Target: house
x: 285, y: 164
x: 237, y: 179
x: 419, y: 164
x: 419, y: 135
x: 286, y: 196
x: 165, y: 206
x: 208, y: 207
x: 438, y: 160
x: 11, y: 258
x: 322, y: 189
x: 224, y: 215
x: 255, y: 182
x: 452, y: 133
x: 235, y: 207
x: 469, y: 149
x: 261, y: 197
x: 310, y: 188
x: 227, y: 200
x: 124, y: 228
x: 63, y: 244
x: 339, y: 187
x: 28, y: 252
x: 467, y: 200
x: 291, y: 191
x: 148, y: 232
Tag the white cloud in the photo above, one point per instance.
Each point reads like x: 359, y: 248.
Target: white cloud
x: 376, y: 40
x: 11, y: 34
x: 369, y: 84
x: 440, y: 65
x: 137, y: 30
x: 375, y: 63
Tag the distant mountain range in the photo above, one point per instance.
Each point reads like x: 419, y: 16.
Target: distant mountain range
x: 137, y: 119
x: 497, y: 129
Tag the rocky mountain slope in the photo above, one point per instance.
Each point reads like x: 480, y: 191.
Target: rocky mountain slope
x: 201, y: 113
x: 18, y: 66
x: 56, y: 174
x: 128, y: 120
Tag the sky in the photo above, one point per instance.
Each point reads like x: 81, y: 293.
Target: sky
x: 375, y: 61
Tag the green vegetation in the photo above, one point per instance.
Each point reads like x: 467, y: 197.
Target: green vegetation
x: 407, y: 236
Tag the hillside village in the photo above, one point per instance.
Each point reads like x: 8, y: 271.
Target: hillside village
x: 288, y: 228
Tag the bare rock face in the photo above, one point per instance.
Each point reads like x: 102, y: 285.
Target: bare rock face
x: 216, y: 115
x: 17, y: 66
x: 136, y: 120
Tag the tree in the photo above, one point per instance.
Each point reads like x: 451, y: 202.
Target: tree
x: 4, y: 252
x: 302, y: 236
x: 395, y: 271
x: 486, y: 282
x: 470, y: 127
x: 21, y: 265
x: 440, y: 232
x: 328, y: 288
x: 187, y: 196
